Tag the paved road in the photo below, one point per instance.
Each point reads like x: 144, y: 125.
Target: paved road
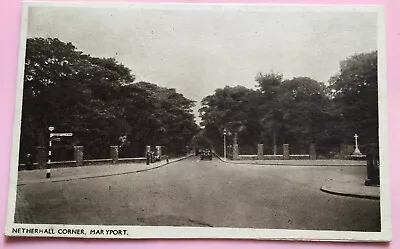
x: 204, y: 193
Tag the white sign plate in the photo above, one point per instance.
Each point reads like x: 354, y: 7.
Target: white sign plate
x: 61, y: 135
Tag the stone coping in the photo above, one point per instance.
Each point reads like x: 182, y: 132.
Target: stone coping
x: 300, y: 162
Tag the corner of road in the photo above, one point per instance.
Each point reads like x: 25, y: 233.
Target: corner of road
x: 352, y: 189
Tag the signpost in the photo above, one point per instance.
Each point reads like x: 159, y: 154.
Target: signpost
x: 54, y: 137
x: 61, y: 134
x: 51, y: 129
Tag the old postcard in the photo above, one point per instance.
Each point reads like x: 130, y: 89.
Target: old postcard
x: 201, y: 121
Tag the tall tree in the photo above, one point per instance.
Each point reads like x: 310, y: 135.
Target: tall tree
x: 66, y: 89
x: 292, y: 111
x: 234, y: 109
x: 96, y: 99
x: 354, y: 91
x: 165, y: 117
x: 306, y: 112
x: 271, y: 112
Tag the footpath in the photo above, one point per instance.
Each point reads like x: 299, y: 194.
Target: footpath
x: 348, y: 185
x: 352, y: 189
x: 26, y: 177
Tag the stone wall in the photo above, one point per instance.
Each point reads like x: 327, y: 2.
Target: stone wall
x: 312, y: 155
x: 41, y: 157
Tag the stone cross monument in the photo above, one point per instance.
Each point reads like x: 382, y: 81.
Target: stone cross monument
x: 356, y: 150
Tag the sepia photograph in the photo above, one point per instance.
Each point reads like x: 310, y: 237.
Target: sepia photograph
x: 201, y: 121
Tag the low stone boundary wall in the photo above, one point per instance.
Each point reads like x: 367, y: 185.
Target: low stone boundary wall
x: 273, y: 157
x: 65, y: 164
x: 356, y: 157
x: 43, y: 158
x: 233, y: 153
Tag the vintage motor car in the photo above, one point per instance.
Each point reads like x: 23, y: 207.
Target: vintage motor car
x: 206, y: 154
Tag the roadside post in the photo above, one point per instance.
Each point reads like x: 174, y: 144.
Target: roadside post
x: 225, y: 132
x: 48, y: 171
x: 56, y: 137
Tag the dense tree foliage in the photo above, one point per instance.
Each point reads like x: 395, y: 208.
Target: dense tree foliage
x: 354, y: 91
x: 96, y: 99
x: 299, y: 111
x: 201, y: 141
x: 232, y: 108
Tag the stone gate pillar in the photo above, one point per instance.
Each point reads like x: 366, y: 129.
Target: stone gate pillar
x: 147, y: 154
x: 78, y: 155
x: 235, y: 138
x: 148, y: 148
x: 114, y: 153
x: 286, y: 154
x: 235, y: 152
x: 260, y: 151
x: 229, y: 151
x: 159, y: 150
x: 313, y: 154
x: 373, y: 165
x: 342, y: 151
x: 41, y: 156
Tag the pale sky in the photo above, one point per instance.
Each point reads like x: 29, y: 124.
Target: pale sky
x: 197, y: 51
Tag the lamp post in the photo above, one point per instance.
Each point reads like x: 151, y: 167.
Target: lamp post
x: 48, y: 172
x: 224, y: 143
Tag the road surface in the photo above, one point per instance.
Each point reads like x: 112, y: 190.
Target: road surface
x: 204, y: 193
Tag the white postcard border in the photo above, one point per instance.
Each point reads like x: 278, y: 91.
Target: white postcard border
x: 145, y: 232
